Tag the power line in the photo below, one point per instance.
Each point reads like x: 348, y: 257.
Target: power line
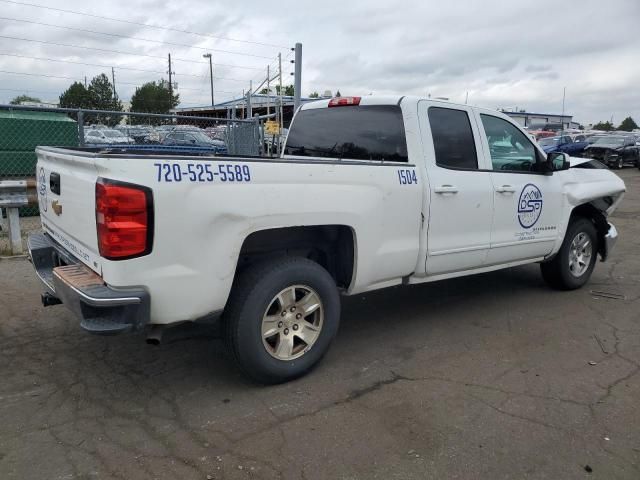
x: 159, y: 27
x: 44, y: 42
x: 28, y: 90
x: 160, y: 42
x: 39, y: 75
x: 116, y: 67
x: 88, y: 64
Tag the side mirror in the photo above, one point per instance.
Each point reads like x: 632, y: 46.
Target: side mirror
x: 557, y: 161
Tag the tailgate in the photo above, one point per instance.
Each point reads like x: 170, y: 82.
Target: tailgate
x: 66, y: 196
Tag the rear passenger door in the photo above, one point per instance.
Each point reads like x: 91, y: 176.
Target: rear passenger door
x: 461, y: 194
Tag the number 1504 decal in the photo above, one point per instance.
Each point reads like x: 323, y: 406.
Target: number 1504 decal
x: 407, y: 177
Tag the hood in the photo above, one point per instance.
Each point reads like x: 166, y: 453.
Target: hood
x: 605, y: 146
x: 586, y: 185
x: 574, y: 161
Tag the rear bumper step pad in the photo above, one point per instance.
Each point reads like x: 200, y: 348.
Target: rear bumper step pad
x: 101, y: 309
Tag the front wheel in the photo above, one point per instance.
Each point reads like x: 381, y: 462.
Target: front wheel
x: 619, y: 164
x: 572, y: 266
x: 281, y: 318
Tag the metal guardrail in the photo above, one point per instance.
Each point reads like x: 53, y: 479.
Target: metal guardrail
x: 13, y: 195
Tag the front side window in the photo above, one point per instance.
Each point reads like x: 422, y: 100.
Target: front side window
x: 509, y: 148
x: 365, y: 132
x: 453, y: 138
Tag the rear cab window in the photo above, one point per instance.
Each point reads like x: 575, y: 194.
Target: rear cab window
x: 363, y: 132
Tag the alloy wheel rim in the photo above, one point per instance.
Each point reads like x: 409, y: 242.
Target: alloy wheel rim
x: 580, y: 254
x: 292, y: 322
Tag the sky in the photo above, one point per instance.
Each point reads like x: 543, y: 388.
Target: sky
x: 495, y: 53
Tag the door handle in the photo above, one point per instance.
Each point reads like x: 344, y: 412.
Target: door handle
x: 445, y: 189
x: 505, y: 189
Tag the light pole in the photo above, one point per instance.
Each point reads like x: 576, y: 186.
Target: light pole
x: 208, y: 55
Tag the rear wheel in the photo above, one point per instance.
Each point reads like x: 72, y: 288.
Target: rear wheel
x: 281, y: 318
x: 571, y: 268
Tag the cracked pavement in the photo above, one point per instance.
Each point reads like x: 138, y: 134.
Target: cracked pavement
x: 490, y: 376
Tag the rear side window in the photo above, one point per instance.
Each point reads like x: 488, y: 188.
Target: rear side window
x: 368, y: 132
x: 453, y: 138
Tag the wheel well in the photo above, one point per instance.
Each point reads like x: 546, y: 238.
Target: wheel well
x: 593, y: 213
x: 331, y: 246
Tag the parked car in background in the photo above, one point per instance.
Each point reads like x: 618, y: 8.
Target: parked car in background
x: 193, y: 138
x: 563, y: 143
x: 539, y: 132
x: 104, y: 136
x: 140, y: 134
x: 615, y: 151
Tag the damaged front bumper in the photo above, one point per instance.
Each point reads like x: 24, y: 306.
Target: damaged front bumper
x: 610, y: 240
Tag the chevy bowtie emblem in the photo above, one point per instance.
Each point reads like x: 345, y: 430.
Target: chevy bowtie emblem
x: 57, y: 208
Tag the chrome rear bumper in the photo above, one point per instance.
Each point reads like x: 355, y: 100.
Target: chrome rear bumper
x: 101, y: 309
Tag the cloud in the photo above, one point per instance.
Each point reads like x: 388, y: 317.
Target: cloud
x: 501, y: 53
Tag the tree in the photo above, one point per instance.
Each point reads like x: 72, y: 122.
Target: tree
x: 338, y: 94
x: 606, y: 126
x: 153, y: 97
x: 99, y: 96
x: 314, y: 95
x: 76, y: 96
x: 628, y: 124
x: 24, y: 98
x: 103, y: 97
x: 287, y: 90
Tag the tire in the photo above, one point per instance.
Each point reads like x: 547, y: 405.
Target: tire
x: 619, y: 164
x: 560, y: 273
x: 261, y: 297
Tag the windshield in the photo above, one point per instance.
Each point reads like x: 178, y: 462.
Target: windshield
x: 549, y: 142
x: 112, y: 134
x: 610, y: 140
x: 200, y: 137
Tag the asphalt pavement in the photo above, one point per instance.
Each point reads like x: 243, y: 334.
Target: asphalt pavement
x: 486, y: 377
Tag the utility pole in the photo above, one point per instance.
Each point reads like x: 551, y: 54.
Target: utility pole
x: 85, y: 81
x: 297, y: 76
x: 170, y: 80
x: 268, y: 91
x: 113, y: 82
x: 564, y: 92
x: 210, y: 57
x: 248, y: 101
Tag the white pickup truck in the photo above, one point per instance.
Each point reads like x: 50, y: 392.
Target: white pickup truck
x: 370, y: 192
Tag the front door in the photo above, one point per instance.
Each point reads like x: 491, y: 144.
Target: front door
x: 528, y: 204
x: 461, y: 194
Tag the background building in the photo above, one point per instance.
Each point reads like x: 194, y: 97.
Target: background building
x: 530, y: 119
x: 237, y: 107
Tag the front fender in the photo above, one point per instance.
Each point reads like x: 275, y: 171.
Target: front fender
x: 588, y: 192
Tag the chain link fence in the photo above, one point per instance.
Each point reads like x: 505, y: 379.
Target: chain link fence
x: 23, y: 128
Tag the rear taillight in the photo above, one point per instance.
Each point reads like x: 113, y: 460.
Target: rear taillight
x: 344, y: 101
x: 124, y: 219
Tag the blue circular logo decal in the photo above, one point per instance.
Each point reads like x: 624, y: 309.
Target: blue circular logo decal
x: 529, y: 205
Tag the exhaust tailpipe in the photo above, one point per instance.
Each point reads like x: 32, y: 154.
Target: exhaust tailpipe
x: 49, y: 300
x: 154, y: 337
